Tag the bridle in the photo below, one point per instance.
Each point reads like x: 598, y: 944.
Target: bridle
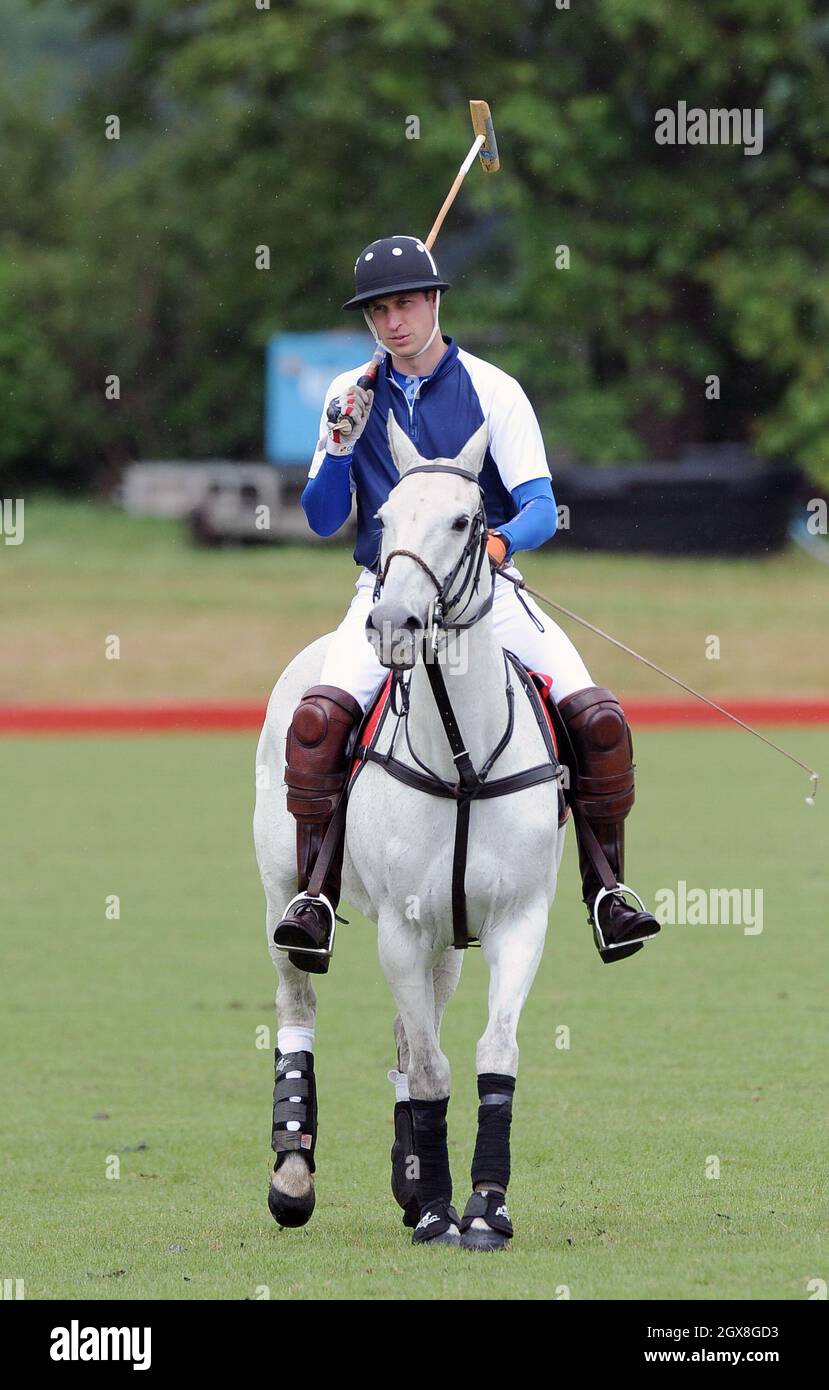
x: 472, y: 784
x: 472, y: 556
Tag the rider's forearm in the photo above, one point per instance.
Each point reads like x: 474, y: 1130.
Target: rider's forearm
x: 537, y: 519
x: 326, y: 499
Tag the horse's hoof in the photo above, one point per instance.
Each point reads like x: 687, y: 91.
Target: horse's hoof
x: 485, y: 1224
x: 484, y: 1239
x: 290, y: 1210
x: 450, y: 1237
x: 439, y: 1224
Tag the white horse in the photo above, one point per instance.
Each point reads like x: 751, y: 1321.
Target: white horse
x: 398, y: 858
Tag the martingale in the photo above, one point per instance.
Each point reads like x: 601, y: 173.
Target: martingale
x: 471, y: 785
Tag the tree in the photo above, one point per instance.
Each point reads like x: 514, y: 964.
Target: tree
x: 287, y: 127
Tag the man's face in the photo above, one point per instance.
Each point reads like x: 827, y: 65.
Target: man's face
x: 404, y: 321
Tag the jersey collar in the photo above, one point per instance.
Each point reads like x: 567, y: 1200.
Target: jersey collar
x: 444, y: 366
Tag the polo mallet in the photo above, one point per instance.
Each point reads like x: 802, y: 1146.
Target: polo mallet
x: 485, y: 146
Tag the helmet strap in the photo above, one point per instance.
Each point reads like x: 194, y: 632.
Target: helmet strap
x: 404, y: 356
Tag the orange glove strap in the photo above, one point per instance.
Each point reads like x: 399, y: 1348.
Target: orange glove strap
x: 496, y: 548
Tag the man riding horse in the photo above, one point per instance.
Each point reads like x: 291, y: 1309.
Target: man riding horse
x: 440, y: 395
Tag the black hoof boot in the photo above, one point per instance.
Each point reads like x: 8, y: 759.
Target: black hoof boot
x: 496, y: 1233
x: 439, y: 1224
x: 402, y: 1153
x: 290, y: 1211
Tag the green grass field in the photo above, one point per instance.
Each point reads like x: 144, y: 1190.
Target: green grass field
x: 137, y: 1038
x: 223, y: 624
x: 142, y: 1032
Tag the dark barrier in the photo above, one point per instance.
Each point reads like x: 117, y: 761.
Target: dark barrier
x: 722, y: 503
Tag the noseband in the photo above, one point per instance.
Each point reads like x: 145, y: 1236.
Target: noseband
x: 476, y: 542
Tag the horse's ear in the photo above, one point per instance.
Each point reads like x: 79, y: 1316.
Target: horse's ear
x: 403, y: 451
x: 471, y: 456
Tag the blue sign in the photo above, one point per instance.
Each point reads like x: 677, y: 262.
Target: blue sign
x: 299, y: 368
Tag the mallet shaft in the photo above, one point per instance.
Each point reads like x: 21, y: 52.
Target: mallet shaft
x: 484, y: 145
x: 453, y: 192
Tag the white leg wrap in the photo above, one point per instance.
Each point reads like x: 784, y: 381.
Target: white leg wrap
x: 400, y: 1082
x: 295, y: 1039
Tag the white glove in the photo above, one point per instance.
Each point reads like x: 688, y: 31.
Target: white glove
x: 355, y: 405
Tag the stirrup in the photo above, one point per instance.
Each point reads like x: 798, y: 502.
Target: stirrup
x: 309, y: 950
x: 619, y: 890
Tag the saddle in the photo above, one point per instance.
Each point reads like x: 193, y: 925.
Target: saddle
x: 538, y: 690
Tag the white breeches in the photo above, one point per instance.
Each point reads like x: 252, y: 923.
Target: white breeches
x: 351, y: 664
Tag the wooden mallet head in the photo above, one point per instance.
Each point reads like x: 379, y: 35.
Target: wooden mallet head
x: 485, y: 147
x: 482, y: 125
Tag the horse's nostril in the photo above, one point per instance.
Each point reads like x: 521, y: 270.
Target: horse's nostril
x: 387, y: 621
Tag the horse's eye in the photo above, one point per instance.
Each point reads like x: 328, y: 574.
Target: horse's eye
x: 460, y: 524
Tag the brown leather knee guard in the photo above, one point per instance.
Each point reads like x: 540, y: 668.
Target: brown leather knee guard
x: 600, y: 761
x: 317, y: 766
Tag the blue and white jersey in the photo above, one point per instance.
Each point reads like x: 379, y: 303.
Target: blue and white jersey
x: 439, y: 414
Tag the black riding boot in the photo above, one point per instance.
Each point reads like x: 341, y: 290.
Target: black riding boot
x: 315, y: 773
x: 599, y: 753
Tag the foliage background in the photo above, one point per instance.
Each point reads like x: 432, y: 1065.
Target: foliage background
x: 287, y: 127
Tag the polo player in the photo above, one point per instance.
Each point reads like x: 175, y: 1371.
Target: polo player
x: 440, y: 395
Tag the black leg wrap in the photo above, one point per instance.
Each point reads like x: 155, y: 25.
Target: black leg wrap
x: 434, y: 1181
x: 491, y: 1161
x: 403, y: 1166
x: 294, y: 1103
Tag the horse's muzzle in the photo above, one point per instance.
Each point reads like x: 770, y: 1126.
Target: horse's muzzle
x: 396, y: 634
